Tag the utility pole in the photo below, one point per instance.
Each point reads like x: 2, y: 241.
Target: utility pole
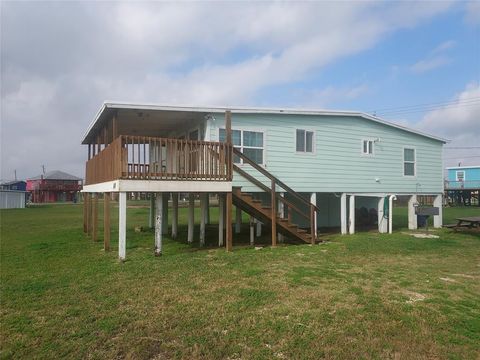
x: 43, y: 169
x: 15, y: 172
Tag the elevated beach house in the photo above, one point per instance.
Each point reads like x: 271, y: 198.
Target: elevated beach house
x: 294, y: 171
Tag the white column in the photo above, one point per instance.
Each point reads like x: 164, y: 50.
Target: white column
x: 313, y: 200
x: 175, y: 215
x: 281, y: 213
x: 191, y: 220
x: 412, y: 217
x: 343, y: 213
x: 259, y: 228
x: 438, y: 219
x: 238, y: 220
x: 390, y: 213
x: 151, y: 217
x: 203, y: 217
x: 351, y: 215
x: 165, y: 196
x: 122, y: 224
x: 252, y: 231
x: 382, y: 221
x: 221, y: 218
x: 159, y: 205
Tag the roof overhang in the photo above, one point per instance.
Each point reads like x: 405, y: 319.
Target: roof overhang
x: 108, y: 108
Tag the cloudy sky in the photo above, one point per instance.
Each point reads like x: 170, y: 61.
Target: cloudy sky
x: 414, y: 63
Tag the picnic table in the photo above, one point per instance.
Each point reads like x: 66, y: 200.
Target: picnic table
x: 472, y: 221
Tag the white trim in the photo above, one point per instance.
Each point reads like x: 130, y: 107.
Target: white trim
x: 160, y: 186
x: 372, y: 147
x: 314, y: 141
x: 243, y: 110
x: 462, y: 167
x: 461, y: 171
x: 414, y: 161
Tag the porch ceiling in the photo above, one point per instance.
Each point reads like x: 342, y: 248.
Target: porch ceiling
x: 145, y: 122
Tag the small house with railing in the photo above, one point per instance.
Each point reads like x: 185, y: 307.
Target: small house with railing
x: 295, y: 171
x: 462, y: 185
x: 54, y: 186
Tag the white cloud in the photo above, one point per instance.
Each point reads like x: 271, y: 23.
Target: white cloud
x: 436, y: 58
x: 458, y: 121
x: 472, y: 12
x: 57, y: 70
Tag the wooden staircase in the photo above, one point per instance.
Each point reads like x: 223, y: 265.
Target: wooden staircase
x: 268, y: 213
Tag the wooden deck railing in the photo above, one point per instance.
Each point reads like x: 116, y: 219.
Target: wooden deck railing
x: 152, y: 158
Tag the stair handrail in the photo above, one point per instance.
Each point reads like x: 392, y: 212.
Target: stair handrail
x: 274, y: 178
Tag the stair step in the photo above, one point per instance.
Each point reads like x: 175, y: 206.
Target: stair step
x: 257, y: 201
x: 292, y: 225
x: 301, y: 231
x: 266, y: 207
x: 282, y: 220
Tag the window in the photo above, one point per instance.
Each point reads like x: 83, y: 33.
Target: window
x: 304, y: 141
x: 460, y: 175
x: 367, y: 147
x: 408, y: 162
x: 248, y: 142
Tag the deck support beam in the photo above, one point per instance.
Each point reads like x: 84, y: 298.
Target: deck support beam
x: 351, y: 213
x: 221, y: 218
x: 343, y: 213
x: 207, y: 209
x: 412, y: 217
x: 106, y: 221
x: 390, y: 213
x: 122, y: 224
x: 95, y: 217
x: 191, y: 219
x: 252, y: 231
x: 259, y: 228
x: 238, y: 220
x: 159, y: 222
x: 175, y: 215
x: 281, y: 215
x: 203, y: 217
x: 313, y: 200
x: 85, y: 213
x: 228, y: 220
x: 438, y: 219
x: 382, y: 220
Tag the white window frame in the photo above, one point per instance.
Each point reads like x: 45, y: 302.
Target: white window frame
x: 314, y: 142
x: 460, y: 171
x: 372, y: 147
x: 414, y: 161
x: 241, y: 147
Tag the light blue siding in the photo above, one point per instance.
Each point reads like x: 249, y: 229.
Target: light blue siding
x: 471, y: 179
x: 337, y: 164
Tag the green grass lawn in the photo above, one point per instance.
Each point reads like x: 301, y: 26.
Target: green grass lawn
x: 367, y: 295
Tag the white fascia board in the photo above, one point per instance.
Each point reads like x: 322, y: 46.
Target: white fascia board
x: 109, y: 186
x: 462, y: 167
x: 246, y: 110
x: 159, y: 186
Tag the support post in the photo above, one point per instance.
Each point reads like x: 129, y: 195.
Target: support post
x: 281, y: 215
x: 228, y: 220
x: 203, y: 217
x: 438, y: 219
x: 221, y: 218
x: 106, y: 221
x: 390, y: 213
x: 274, y: 214
x: 412, y: 217
x: 259, y: 228
x: 89, y: 215
x: 191, y: 220
x: 122, y: 225
x: 165, y: 196
x: 313, y: 200
x: 207, y: 209
x: 252, y: 231
x: 86, y: 200
x: 85, y: 213
x: 151, y: 217
x: 351, y: 213
x: 343, y: 213
x: 159, y: 205
x: 238, y: 220
x: 382, y: 221
x: 95, y: 217
x: 174, y: 215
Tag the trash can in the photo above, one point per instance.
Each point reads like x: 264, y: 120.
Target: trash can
x: 421, y: 220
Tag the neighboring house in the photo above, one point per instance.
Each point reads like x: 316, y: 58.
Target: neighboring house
x: 54, y: 186
x: 294, y: 170
x: 463, y: 184
x: 17, y: 185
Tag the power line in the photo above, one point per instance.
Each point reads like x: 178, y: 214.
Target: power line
x: 445, y: 102
x: 407, y: 111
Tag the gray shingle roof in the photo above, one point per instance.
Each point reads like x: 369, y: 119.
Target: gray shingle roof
x: 56, y: 175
